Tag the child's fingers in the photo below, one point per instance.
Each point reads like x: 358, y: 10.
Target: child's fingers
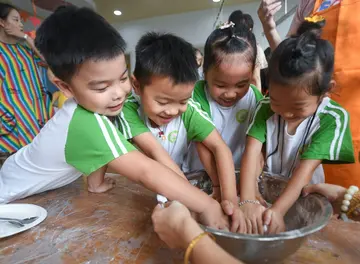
x: 157, y: 208
x: 227, y: 207
x: 242, y: 226
x: 254, y: 225
x: 260, y: 227
x: 248, y: 226
x: 267, y: 217
x: 235, y: 223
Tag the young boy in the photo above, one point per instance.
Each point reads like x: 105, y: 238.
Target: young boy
x: 87, y: 57
x: 163, y: 82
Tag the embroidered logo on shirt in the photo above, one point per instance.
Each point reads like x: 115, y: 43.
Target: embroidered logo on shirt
x: 173, y: 136
x: 242, y: 115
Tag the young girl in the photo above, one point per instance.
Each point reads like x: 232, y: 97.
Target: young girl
x: 301, y: 126
x: 226, y: 94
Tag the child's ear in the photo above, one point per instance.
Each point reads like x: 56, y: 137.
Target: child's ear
x: 135, y: 84
x: 2, y: 23
x: 63, y: 86
x: 332, y: 86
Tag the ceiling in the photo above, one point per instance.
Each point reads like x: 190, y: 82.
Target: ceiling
x: 139, y: 9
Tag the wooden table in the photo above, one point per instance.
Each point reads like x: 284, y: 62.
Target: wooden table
x: 115, y: 227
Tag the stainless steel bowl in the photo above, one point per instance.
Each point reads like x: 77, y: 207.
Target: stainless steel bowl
x: 307, y: 216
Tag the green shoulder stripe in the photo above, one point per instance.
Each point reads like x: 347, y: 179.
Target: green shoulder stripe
x: 332, y: 142
x: 257, y: 127
x: 257, y: 93
x: 93, y: 141
x: 197, y: 122
x: 199, y: 95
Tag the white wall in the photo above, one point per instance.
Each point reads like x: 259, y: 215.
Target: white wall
x: 195, y: 27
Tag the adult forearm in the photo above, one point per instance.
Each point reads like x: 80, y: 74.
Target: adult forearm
x: 273, y: 37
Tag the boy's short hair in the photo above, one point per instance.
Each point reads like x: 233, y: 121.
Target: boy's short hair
x: 71, y: 35
x: 165, y: 55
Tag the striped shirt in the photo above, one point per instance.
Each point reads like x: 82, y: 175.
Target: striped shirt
x: 25, y: 105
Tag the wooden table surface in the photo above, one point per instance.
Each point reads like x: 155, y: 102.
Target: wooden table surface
x: 115, y: 227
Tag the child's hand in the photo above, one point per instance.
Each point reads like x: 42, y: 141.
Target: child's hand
x: 174, y: 225
x: 330, y: 191
x: 238, y: 224
x: 253, y: 217
x: 274, y: 221
x: 214, y: 217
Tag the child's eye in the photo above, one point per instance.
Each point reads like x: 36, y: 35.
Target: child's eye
x: 161, y: 103
x: 220, y: 86
x: 241, y: 86
x: 124, y: 79
x: 100, y: 90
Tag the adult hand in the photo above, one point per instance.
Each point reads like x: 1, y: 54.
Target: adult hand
x: 330, y: 191
x: 174, y: 225
x: 266, y: 12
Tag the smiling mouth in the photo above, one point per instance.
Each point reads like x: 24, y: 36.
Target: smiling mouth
x: 167, y: 119
x: 228, y: 102
x: 116, y: 107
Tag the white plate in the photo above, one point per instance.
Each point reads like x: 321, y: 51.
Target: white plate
x: 19, y: 211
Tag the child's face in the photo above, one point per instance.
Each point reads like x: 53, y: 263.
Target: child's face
x: 292, y: 104
x: 162, y: 100
x: 100, y: 86
x: 230, y: 81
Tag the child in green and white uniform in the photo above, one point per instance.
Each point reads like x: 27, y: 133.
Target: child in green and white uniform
x: 231, y: 122
x: 301, y: 127
x: 226, y: 94
x: 325, y: 136
x: 192, y: 125
x: 164, y: 78
x: 80, y: 138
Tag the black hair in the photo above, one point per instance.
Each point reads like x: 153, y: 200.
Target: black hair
x: 235, y: 16
x: 303, y: 60
x: 229, y: 41
x: 5, y: 10
x: 267, y: 53
x: 71, y: 35
x: 239, y: 18
x: 307, y: 26
x: 165, y: 55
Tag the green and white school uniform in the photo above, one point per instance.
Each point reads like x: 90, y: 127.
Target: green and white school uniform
x: 323, y: 136
x: 73, y: 142
x: 231, y: 122
x: 193, y: 125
